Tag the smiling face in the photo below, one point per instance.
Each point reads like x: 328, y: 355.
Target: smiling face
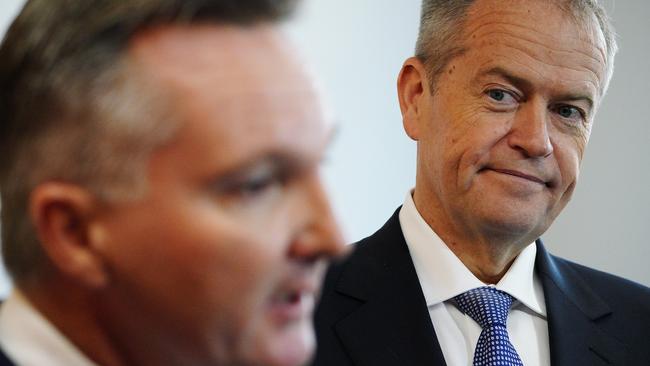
x: 221, y: 260
x: 501, y: 139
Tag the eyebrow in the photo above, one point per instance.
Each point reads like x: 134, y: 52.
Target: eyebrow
x: 278, y: 161
x: 527, y: 85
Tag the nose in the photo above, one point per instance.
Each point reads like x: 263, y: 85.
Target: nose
x: 529, y: 133
x: 320, y: 235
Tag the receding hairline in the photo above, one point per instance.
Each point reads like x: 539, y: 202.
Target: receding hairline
x: 450, y: 22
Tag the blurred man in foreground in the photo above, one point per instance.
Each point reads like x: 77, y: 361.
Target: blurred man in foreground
x: 501, y: 99
x: 161, y: 203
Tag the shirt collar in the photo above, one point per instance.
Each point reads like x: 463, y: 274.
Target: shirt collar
x: 443, y: 276
x: 28, y: 338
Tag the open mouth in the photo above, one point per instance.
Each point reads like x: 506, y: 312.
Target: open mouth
x: 292, y: 305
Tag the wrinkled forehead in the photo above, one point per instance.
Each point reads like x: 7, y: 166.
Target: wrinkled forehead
x: 542, y: 29
x: 551, y: 19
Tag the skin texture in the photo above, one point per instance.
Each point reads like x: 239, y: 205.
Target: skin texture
x: 219, y: 263
x: 501, y: 137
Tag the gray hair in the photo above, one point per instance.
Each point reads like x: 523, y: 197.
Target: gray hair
x: 441, y: 31
x: 73, y: 109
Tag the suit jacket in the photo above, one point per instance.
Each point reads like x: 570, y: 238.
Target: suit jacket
x: 4, y: 360
x: 373, y: 312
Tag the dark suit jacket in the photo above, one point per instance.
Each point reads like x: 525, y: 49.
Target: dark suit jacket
x: 373, y: 312
x: 4, y: 360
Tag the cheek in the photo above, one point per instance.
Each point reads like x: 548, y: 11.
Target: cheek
x: 568, y: 153
x: 227, y: 257
x: 482, y: 141
x: 580, y: 143
x: 190, y: 254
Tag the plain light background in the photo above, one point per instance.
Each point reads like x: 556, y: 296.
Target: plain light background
x: 356, y: 49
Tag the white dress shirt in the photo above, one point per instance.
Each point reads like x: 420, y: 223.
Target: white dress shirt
x: 442, y: 276
x: 28, y: 339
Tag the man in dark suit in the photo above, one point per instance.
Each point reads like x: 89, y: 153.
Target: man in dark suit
x: 500, y: 98
x: 161, y: 202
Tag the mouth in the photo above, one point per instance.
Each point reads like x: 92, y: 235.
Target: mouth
x: 521, y: 175
x: 292, y: 306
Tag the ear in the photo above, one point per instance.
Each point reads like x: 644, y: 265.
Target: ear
x: 412, y: 88
x: 62, y: 215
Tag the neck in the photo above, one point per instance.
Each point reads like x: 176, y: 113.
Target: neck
x: 148, y: 336
x: 69, y: 308
x: 487, y: 262
x: 487, y: 254
x: 106, y: 329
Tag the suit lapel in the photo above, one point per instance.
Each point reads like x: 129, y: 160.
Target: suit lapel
x: 4, y: 360
x: 574, y: 310
x: 392, y: 325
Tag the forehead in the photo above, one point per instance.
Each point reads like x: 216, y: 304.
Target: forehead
x: 232, y: 85
x: 538, y: 36
x: 241, y: 57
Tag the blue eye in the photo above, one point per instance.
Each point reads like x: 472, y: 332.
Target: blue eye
x: 496, y: 94
x: 569, y: 112
x: 502, y: 97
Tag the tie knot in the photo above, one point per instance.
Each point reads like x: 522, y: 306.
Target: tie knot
x: 486, y: 305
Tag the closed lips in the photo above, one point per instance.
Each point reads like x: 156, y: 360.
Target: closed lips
x: 516, y: 173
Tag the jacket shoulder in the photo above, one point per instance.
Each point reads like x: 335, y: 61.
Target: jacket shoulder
x: 626, y: 315
x: 356, y: 270
x: 616, y: 291
x: 350, y: 283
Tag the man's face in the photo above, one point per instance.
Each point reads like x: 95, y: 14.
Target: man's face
x: 501, y: 140
x: 222, y: 258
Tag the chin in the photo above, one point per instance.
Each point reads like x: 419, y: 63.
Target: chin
x: 508, y: 218
x: 290, y: 345
x: 520, y: 226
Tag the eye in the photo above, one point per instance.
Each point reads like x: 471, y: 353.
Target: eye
x: 255, y: 186
x: 501, y: 97
x: 251, y: 186
x: 497, y: 94
x: 570, y: 112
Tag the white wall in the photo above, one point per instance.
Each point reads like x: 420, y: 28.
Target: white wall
x: 8, y: 9
x: 357, y: 47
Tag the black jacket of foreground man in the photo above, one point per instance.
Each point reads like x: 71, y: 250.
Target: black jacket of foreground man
x: 373, y: 312
x: 4, y: 361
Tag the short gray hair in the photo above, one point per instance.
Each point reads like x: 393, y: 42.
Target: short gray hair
x: 73, y: 109
x: 441, y: 31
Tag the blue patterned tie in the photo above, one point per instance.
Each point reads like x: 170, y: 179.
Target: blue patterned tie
x: 489, y: 307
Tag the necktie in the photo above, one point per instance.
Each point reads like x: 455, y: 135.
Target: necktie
x: 489, y: 307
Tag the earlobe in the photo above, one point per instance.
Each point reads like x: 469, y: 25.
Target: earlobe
x: 62, y: 214
x: 411, y: 88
